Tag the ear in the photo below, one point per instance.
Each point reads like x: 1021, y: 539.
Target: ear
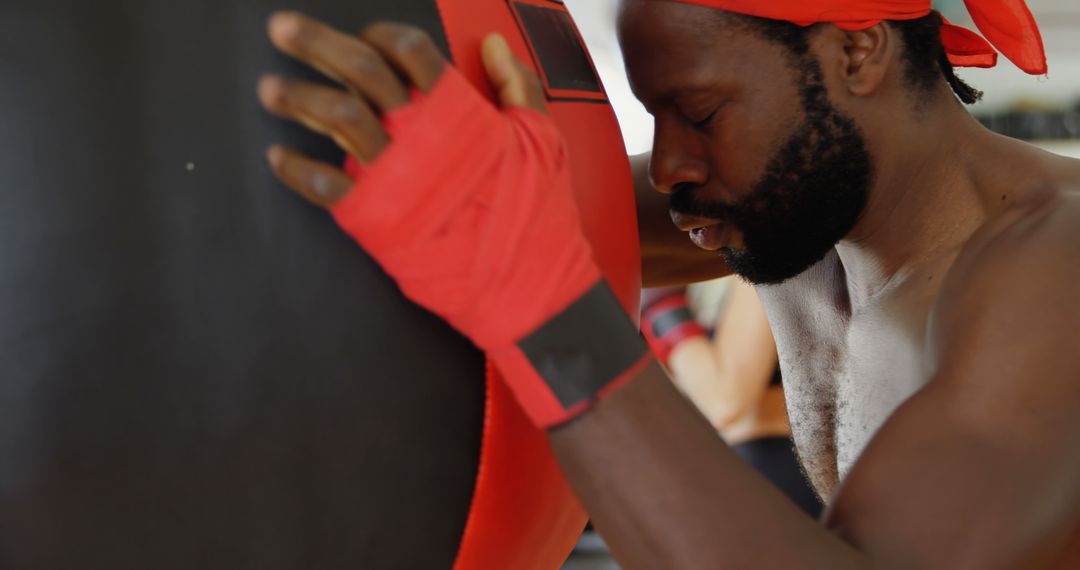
x: 866, y: 58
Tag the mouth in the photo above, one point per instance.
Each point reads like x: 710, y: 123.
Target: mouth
x: 707, y: 237
x: 706, y: 233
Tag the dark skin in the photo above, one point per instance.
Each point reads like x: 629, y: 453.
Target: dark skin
x: 368, y: 68
x: 667, y: 257
x: 977, y: 468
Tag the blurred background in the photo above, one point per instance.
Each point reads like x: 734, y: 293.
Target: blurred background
x: 1044, y: 110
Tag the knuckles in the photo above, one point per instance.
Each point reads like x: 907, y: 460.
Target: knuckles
x: 348, y: 114
x: 401, y: 40
x: 365, y: 63
x: 411, y: 42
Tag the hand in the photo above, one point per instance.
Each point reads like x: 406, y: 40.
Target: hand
x: 468, y: 207
x: 368, y: 68
x: 455, y: 160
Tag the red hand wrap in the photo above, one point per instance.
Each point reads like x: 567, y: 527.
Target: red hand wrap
x: 667, y: 321
x: 470, y: 210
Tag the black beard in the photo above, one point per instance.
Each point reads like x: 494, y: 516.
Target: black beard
x: 810, y: 196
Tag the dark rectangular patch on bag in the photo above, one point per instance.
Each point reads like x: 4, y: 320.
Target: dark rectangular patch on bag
x: 566, y: 69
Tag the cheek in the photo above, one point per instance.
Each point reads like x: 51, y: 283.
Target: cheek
x: 752, y: 132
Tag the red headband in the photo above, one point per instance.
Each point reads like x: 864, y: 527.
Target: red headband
x: 1007, y: 24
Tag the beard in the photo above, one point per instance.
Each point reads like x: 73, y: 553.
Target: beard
x: 811, y: 195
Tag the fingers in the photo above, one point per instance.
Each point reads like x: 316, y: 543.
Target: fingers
x: 515, y: 84
x: 319, y: 182
x: 409, y: 50
x: 371, y: 67
x: 346, y: 59
x: 344, y: 117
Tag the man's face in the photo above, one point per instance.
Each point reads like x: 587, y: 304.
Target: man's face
x: 759, y: 164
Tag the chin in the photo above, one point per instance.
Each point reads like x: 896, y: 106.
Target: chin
x: 758, y: 269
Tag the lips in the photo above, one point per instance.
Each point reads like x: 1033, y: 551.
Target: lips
x: 687, y: 223
x: 707, y: 237
x: 704, y: 232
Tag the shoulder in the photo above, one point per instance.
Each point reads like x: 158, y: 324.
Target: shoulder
x: 1008, y: 314
x: 1028, y: 248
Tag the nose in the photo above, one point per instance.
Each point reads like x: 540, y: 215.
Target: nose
x: 677, y: 161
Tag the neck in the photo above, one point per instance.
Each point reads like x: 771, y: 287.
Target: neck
x: 927, y: 199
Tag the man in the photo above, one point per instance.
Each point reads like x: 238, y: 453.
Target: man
x: 917, y: 270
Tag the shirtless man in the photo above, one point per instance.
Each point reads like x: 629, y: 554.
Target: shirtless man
x: 918, y: 271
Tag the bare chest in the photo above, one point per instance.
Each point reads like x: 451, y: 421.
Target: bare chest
x: 845, y: 372
x: 843, y: 389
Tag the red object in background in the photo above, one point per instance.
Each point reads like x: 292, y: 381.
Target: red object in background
x: 666, y: 320
x: 524, y: 515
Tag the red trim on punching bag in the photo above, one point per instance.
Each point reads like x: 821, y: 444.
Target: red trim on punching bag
x: 524, y: 516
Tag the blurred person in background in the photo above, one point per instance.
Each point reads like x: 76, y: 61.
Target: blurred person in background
x: 731, y: 374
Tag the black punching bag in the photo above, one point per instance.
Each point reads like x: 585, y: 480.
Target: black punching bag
x: 198, y: 369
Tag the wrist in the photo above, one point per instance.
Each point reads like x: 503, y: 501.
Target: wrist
x: 667, y: 323
x: 580, y: 355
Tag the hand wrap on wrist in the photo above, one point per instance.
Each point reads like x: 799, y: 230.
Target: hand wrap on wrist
x: 666, y: 321
x: 470, y: 210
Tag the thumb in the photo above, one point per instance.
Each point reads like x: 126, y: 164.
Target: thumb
x: 515, y: 84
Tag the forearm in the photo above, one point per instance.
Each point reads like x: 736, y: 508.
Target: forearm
x: 727, y: 375
x: 663, y: 267
x: 698, y: 373
x: 690, y: 502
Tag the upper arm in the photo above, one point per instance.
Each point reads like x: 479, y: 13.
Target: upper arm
x: 668, y: 257
x: 981, y: 469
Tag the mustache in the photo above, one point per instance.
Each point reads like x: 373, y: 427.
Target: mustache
x: 684, y: 202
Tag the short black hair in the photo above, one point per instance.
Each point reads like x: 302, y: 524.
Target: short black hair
x: 923, y: 48
x: 924, y: 55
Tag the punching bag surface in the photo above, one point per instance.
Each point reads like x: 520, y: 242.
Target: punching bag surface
x: 198, y: 369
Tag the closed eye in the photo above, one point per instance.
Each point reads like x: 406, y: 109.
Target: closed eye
x: 705, y: 122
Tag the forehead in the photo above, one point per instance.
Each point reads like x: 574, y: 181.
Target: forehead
x: 673, y: 46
